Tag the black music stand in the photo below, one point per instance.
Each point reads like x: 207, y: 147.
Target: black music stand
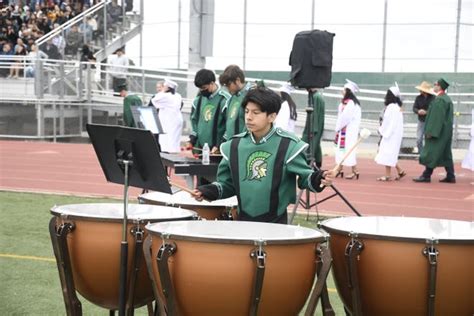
x: 307, y: 203
x: 128, y: 156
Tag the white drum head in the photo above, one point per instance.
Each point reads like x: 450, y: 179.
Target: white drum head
x: 114, y: 211
x: 385, y: 227
x: 236, y: 231
x: 182, y: 198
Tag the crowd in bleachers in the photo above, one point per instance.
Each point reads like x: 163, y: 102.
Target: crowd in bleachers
x: 24, y: 22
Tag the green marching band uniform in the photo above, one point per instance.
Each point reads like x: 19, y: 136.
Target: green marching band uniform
x: 438, y: 125
x: 207, y: 122
x: 317, y: 127
x: 234, y: 113
x: 128, y: 102
x: 263, y: 175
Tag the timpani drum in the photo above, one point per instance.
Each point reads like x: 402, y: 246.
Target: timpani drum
x: 219, y: 209
x: 215, y: 267
x: 403, y: 265
x: 94, y: 244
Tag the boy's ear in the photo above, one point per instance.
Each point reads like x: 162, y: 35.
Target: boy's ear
x: 272, y: 117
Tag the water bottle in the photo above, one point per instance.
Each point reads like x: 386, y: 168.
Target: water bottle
x: 205, y: 154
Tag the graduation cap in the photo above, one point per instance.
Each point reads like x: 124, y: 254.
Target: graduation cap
x: 395, y: 90
x: 170, y: 83
x: 286, y: 87
x: 442, y: 83
x: 122, y: 87
x: 351, y: 86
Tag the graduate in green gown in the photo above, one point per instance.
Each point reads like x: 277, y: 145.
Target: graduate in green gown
x: 129, y: 101
x: 438, y: 136
x: 317, y: 125
x: 262, y: 165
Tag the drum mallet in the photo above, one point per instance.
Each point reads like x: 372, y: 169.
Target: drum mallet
x: 185, y: 189
x: 182, y: 187
x: 364, y: 134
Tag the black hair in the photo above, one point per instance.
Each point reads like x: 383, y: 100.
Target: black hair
x: 286, y: 97
x: 231, y: 74
x: 391, y: 98
x: 203, y: 77
x: 350, y: 95
x: 266, y: 99
x: 171, y: 90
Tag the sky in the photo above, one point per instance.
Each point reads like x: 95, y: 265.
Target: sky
x: 420, y: 35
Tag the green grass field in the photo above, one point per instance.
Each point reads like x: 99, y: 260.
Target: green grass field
x: 29, y: 281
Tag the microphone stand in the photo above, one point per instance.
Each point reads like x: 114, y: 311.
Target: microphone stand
x: 307, y: 203
x: 124, y: 243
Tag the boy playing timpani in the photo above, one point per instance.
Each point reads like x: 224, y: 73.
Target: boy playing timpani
x: 261, y: 165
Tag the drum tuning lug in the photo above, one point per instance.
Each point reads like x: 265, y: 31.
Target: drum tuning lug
x: 69, y: 226
x: 430, y: 251
x: 432, y: 241
x: 137, y: 232
x: 259, y: 253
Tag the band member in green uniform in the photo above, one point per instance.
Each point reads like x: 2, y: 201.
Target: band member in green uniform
x: 207, y: 120
x: 262, y: 165
x: 129, y: 101
x: 233, y: 78
x: 315, y: 100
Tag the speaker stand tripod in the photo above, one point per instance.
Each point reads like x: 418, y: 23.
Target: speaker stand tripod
x: 306, y: 201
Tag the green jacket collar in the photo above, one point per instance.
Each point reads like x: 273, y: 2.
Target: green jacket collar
x: 264, y: 138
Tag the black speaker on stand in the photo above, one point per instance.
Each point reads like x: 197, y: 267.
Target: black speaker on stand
x: 311, y: 59
x: 311, y: 67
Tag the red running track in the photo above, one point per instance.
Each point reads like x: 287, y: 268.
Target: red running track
x: 74, y: 169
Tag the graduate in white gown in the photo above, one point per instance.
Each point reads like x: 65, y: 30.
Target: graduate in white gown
x: 347, y: 129
x: 391, y: 131
x: 468, y: 162
x: 286, y: 118
x: 168, y: 102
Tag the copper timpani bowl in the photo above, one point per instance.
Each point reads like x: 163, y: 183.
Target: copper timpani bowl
x: 94, y: 247
x: 393, y: 265
x: 213, y: 272
x: 209, y: 210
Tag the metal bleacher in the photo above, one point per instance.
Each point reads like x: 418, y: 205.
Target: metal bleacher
x: 66, y: 94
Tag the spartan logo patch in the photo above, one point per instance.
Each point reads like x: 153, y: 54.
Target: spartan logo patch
x: 257, y: 165
x: 207, y: 113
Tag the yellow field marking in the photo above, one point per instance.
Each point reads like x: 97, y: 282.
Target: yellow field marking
x: 5, y: 255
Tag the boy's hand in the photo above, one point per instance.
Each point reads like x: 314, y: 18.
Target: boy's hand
x: 197, y: 195
x: 328, y: 177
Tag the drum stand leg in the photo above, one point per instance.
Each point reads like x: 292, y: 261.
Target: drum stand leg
x: 353, y: 249
x: 431, y: 253
x: 61, y: 252
x: 166, y: 251
x: 324, y: 262
x: 259, y: 256
x: 159, y: 306
x: 138, y: 234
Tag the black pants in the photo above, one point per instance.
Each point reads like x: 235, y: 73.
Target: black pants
x: 116, y: 83
x: 449, y: 172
